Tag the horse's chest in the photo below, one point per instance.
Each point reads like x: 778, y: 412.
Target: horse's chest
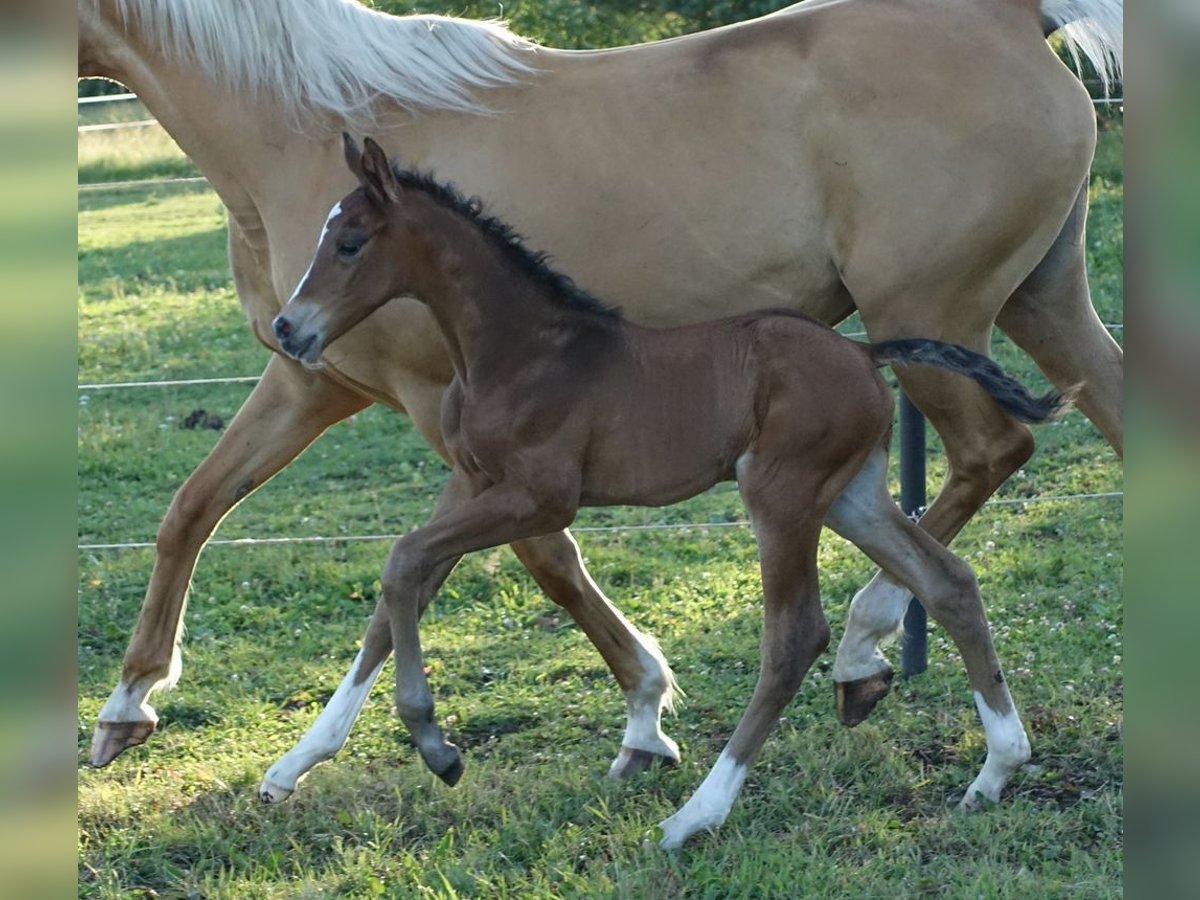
x: 480, y: 438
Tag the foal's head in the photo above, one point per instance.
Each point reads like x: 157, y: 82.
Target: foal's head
x: 363, y: 259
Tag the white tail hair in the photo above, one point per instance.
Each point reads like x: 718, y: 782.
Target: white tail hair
x: 1093, y: 28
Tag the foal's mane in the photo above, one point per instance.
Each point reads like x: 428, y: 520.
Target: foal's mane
x: 534, y: 264
x: 337, y: 55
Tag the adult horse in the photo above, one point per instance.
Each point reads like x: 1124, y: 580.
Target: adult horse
x: 921, y: 161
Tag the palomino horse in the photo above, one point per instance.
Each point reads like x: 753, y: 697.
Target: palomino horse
x: 922, y: 161
x: 557, y: 402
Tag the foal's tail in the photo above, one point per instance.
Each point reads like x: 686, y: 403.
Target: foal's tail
x: 1009, y: 393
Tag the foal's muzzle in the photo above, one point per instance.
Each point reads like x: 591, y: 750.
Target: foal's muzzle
x: 293, y: 345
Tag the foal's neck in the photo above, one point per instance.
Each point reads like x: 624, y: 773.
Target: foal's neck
x: 492, y: 314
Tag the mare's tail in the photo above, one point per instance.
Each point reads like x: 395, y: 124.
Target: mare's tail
x: 1009, y: 393
x: 1092, y: 28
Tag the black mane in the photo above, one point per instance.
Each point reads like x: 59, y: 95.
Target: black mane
x: 532, y: 263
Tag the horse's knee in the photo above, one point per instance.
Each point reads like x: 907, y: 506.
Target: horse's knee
x: 405, y: 570
x: 818, y: 636
x: 184, y: 522
x: 809, y: 640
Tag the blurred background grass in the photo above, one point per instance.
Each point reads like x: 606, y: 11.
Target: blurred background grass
x: 37, y: 437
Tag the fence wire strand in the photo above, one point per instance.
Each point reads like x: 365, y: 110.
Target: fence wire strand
x: 582, y: 529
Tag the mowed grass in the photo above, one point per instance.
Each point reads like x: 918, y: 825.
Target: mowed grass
x: 272, y: 629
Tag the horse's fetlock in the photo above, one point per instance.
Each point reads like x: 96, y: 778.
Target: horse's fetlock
x: 414, y: 707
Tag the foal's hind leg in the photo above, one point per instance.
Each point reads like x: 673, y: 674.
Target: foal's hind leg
x: 983, y: 447
x: 866, y: 515
x: 794, y: 634
x: 634, y: 658
x: 1051, y: 318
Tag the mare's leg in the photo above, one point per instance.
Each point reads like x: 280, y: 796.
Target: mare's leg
x: 286, y: 411
x: 499, y: 514
x: 634, y: 658
x: 865, y: 515
x: 1051, y: 318
x: 794, y: 634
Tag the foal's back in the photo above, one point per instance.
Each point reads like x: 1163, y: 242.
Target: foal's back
x: 679, y: 407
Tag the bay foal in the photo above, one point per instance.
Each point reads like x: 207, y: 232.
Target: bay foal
x: 558, y: 402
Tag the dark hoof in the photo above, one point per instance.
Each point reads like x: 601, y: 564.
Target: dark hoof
x: 453, y: 772
x: 856, y: 699
x: 111, y: 739
x: 630, y: 762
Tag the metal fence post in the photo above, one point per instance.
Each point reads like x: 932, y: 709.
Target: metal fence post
x: 914, y: 646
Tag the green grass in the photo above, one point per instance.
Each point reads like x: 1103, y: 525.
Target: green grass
x: 272, y: 629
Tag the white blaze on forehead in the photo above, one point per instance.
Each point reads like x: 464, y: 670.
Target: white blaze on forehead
x: 334, y: 212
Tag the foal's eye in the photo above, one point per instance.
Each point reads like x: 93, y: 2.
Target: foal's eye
x: 348, y: 249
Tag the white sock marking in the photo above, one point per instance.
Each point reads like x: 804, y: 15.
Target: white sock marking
x: 324, y: 738
x: 1008, y: 749
x: 709, y: 806
x: 645, y: 703
x: 127, y: 703
x: 876, y: 615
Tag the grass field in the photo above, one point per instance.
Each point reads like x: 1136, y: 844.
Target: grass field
x: 272, y: 629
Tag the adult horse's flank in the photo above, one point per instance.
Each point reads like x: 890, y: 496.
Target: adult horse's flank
x: 922, y: 161
x: 557, y: 402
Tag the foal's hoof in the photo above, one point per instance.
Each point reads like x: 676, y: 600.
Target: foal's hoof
x: 630, y: 762
x: 451, y: 773
x: 111, y: 739
x: 856, y: 699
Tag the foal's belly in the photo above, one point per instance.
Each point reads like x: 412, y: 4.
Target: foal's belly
x: 663, y: 486
x: 672, y: 420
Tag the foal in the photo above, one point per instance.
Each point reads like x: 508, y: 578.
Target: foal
x: 558, y: 402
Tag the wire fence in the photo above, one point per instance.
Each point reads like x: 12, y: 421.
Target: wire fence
x: 582, y: 529
x: 360, y: 538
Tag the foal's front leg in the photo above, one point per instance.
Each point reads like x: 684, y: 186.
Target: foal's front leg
x: 500, y: 514
x: 794, y: 634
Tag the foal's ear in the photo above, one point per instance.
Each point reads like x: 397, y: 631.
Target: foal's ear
x: 377, y: 175
x: 353, y: 155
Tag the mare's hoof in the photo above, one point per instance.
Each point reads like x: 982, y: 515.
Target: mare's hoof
x: 111, y: 739
x: 452, y: 772
x: 630, y: 762
x: 856, y: 699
